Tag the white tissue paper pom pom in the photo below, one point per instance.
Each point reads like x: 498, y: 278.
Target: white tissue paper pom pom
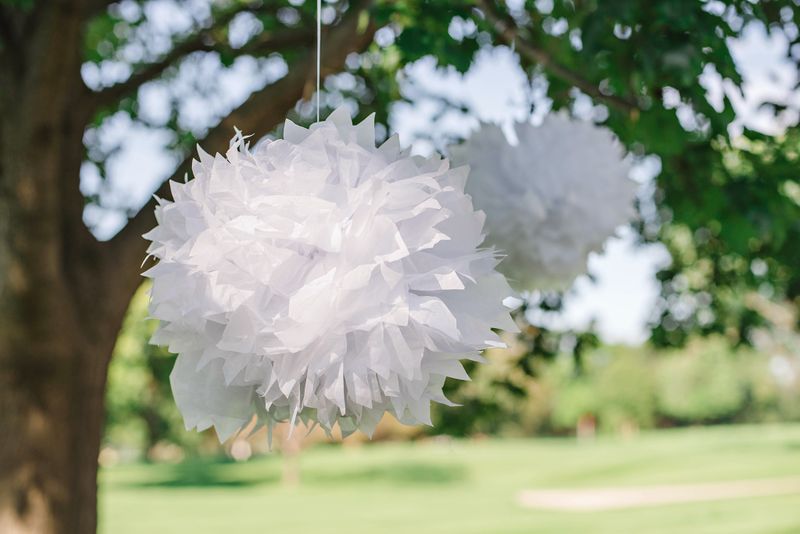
x: 556, y: 196
x: 320, y: 278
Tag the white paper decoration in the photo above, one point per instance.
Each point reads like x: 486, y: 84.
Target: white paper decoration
x: 321, y: 278
x: 556, y: 196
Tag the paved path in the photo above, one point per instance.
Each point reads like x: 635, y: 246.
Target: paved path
x: 595, y: 499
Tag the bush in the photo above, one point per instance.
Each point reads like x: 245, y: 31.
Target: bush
x: 774, y: 388
x: 626, y: 391
x: 704, y: 383
x: 498, y: 398
x: 614, y: 388
x: 619, y: 389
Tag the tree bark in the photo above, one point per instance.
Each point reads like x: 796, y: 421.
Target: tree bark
x: 51, y: 412
x: 56, y: 336
x: 60, y: 309
x: 57, y: 324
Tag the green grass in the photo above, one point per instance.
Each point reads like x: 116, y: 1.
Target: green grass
x: 461, y: 487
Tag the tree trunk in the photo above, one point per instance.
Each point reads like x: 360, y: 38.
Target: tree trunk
x: 58, y: 315
x: 58, y: 320
x: 51, y: 413
x: 61, y: 306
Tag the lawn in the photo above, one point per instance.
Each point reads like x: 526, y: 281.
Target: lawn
x: 464, y: 487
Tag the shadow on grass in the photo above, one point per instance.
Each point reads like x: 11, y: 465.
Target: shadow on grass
x: 205, y: 474
x: 200, y: 480
x: 217, y: 476
x: 403, y: 473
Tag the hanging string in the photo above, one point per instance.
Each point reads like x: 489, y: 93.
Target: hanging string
x: 319, y: 46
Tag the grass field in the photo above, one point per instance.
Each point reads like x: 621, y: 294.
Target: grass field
x: 461, y: 487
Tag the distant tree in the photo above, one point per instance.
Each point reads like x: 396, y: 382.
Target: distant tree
x: 63, y: 293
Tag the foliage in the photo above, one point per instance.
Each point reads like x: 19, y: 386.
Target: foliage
x: 723, y: 201
x: 506, y: 395
x: 728, y: 191
x: 615, y: 388
x: 701, y: 384
x: 719, y: 261
x: 623, y: 389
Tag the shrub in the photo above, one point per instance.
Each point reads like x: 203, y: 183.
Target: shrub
x: 702, y: 384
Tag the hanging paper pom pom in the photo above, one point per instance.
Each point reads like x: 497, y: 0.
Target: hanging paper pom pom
x: 319, y: 277
x: 550, y: 200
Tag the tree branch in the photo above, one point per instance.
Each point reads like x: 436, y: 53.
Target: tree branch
x: 201, y: 41
x: 510, y: 34
x: 113, y: 94
x: 262, y: 111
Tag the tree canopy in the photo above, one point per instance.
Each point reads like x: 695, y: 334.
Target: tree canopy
x: 725, y: 202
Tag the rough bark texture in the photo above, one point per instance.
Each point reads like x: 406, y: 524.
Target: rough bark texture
x: 62, y: 293
x: 52, y: 356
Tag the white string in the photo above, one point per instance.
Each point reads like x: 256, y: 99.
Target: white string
x: 319, y: 43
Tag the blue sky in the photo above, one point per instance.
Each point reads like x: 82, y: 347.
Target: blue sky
x: 621, y: 298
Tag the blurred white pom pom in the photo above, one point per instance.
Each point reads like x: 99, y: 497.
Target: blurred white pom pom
x: 319, y: 277
x: 556, y: 196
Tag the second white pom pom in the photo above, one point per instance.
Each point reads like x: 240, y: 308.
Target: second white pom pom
x: 551, y: 200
